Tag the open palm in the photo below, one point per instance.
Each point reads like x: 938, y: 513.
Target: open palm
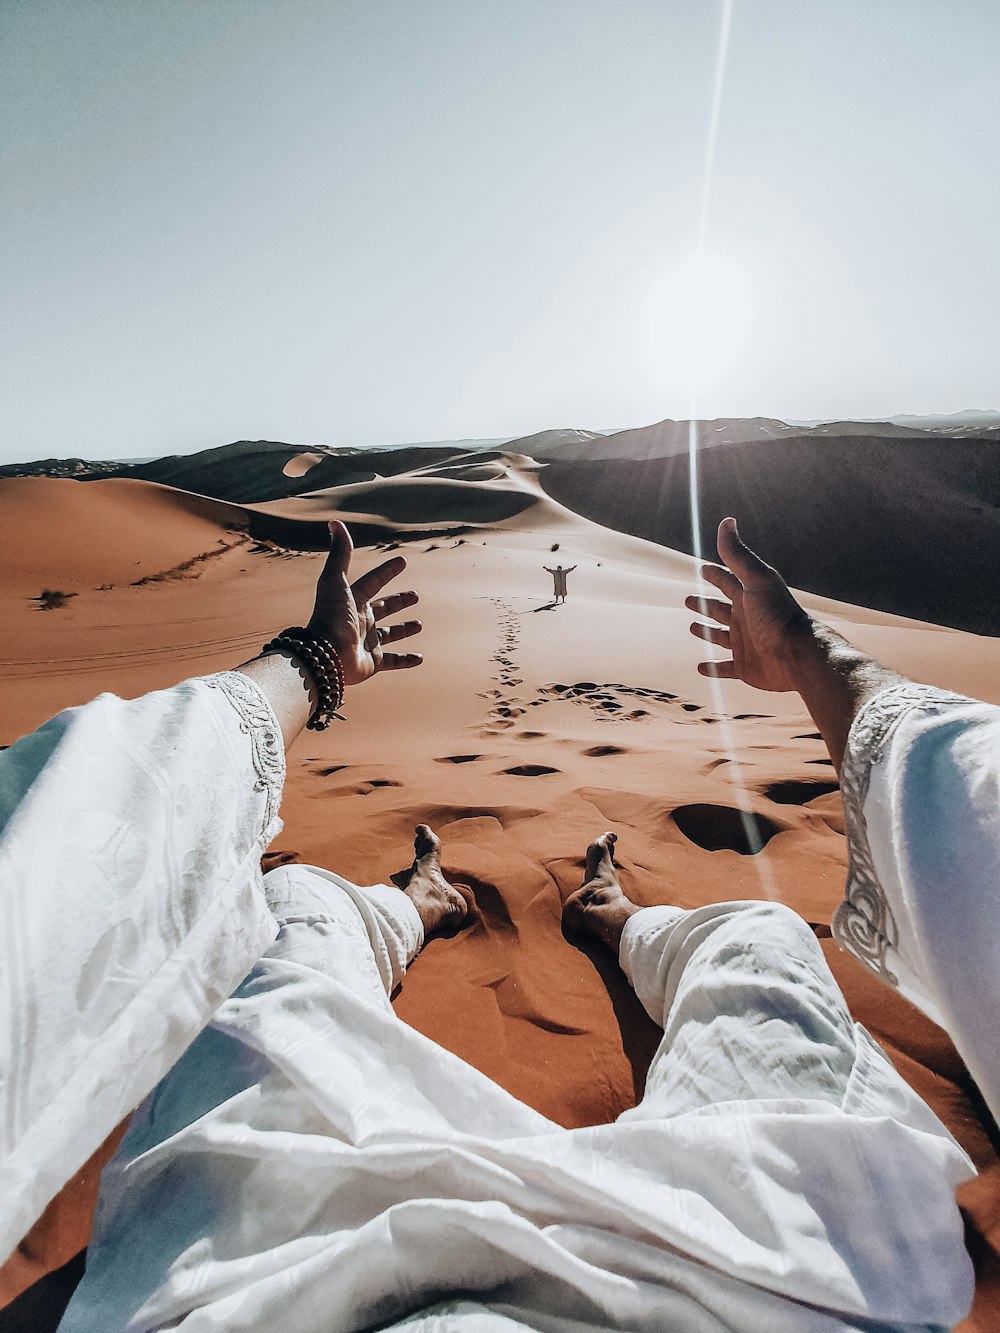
x: 348, y: 614
x: 761, y: 623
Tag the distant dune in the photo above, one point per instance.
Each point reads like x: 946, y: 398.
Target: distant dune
x: 910, y: 526
x: 877, y: 514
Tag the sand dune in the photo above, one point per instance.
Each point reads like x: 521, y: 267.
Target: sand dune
x: 530, y: 728
x: 906, y: 525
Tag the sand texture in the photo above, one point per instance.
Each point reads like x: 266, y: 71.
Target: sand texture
x: 530, y: 728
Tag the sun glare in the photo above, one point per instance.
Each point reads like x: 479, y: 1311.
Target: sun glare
x: 699, y: 318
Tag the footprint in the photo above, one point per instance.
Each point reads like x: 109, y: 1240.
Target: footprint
x: 791, y: 791
x: 530, y: 771
x: 601, y: 751
x: 723, y: 828
x: 709, y: 768
x: 329, y: 772
x: 458, y: 758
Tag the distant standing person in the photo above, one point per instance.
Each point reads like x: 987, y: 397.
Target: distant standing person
x: 559, y: 580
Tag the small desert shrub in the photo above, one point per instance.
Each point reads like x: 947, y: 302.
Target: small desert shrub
x: 50, y: 599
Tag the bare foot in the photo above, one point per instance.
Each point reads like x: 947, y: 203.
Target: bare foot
x: 600, y: 907
x: 440, y: 905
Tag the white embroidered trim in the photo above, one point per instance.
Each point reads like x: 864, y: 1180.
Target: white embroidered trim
x: 864, y: 923
x: 257, y: 719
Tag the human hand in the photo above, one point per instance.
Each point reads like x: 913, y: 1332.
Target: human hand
x: 345, y: 613
x: 762, y: 623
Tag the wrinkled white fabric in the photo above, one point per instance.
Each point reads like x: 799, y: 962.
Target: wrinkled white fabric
x: 314, y: 1164
x: 921, y: 785
x: 130, y: 838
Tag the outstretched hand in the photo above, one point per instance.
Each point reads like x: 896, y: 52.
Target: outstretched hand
x: 761, y: 622
x: 346, y: 614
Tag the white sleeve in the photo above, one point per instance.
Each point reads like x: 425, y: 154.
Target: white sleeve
x: 921, y: 790
x: 130, y: 890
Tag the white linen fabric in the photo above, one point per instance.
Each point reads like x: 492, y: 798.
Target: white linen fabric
x: 130, y: 838
x: 313, y: 1164
x: 921, y: 787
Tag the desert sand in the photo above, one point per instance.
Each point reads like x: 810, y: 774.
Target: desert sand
x: 529, y: 729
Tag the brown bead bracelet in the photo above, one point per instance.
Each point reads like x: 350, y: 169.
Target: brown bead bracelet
x: 323, y: 663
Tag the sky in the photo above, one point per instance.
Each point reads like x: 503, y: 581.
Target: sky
x: 362, y: 222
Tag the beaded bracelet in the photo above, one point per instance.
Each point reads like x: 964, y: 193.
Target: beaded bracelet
x: 323, y: 663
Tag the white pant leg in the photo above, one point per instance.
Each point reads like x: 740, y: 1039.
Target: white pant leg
x: 749, y: 1007
x: 300, y: 1115
x: 364, y: 937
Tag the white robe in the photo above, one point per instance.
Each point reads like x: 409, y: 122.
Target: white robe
x: 921, y: 788
x: 130, y: 890
x: 312, y: 1163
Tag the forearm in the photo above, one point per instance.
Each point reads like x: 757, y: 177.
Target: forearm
x: 288, y: 687
x: 835, y: 680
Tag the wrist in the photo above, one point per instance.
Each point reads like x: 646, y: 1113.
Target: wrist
x: 836, y: 680
x: 323, y: 669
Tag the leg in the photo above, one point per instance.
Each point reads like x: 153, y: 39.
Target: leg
x: 748, y: 1006
x: 226, y: 1154
x: 363, y: 936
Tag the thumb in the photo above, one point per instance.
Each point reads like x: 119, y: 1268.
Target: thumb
x: 745, y: 564
x: 338, y: 562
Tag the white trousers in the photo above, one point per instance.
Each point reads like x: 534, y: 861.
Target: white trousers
x: 759, y: 1016
x: 312, y: 1163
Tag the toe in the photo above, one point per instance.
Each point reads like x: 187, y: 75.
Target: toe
x: 600, y: 856
x: 426, y: 843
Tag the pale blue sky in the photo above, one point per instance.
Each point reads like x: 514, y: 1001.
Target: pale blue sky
x: 393, y: 220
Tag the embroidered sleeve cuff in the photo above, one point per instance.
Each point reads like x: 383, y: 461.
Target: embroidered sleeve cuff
x: 258, y: 721
x: 864, y: 922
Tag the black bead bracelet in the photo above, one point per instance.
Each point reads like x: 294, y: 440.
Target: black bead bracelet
x: 322, y: 661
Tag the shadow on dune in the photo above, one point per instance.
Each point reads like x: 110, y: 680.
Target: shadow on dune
x: 640, y: 1035
x: 909, y: 526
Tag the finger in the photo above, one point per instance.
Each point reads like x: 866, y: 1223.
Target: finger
x: 711, y: 634
x: 338, y: 562
x: 720, y: 670
x: 744, y: 563
x: 722, y: 579
x: 390, y: 606
x: 374, y: 581
x: 406, y: 630
x: 710, y: 607
x: 400, y: 661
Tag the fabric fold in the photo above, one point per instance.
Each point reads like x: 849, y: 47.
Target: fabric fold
x: 921, y: 791
x: 131, y: 894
